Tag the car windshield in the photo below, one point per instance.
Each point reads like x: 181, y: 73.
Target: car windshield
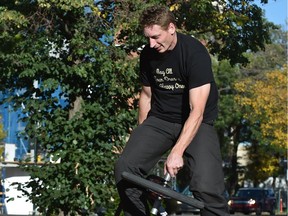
x: 249, y: 193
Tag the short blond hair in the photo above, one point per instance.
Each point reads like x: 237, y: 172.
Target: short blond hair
x: 157, y: 15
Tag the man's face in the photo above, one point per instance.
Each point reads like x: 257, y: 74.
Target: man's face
x: 159, y: 39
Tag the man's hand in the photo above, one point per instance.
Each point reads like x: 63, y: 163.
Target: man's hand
x: 173, y: 164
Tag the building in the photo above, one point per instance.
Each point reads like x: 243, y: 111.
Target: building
x: 16, y: 148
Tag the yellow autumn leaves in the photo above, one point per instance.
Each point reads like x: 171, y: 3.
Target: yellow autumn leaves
x: 264, y: 102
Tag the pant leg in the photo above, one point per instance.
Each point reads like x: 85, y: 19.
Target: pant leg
x: 207, y: 180
x: 147, y: 143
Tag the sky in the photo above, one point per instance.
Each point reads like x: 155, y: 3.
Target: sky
x: 276, y: 11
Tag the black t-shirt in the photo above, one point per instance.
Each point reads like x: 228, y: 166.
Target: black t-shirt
x: 170, y: 76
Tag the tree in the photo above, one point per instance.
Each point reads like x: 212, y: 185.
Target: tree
x: 2, y: 136
x: 2, y: 133
x: 263, y: 101
x: 231, y: 125
x: 59, y: 59
x: 264, y: 157
x: 273, y: 57
x: 229, y: 28
x: 79, y: 110
x: 228, y: 124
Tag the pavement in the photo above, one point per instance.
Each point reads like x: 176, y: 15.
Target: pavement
x: 187, y: 214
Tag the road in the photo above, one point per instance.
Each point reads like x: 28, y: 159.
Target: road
x: 238, y: 214
x: 264, y: 214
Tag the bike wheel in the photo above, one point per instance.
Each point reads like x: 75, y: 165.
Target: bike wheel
x: 162, y: 190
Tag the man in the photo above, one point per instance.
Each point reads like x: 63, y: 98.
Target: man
x: 177, y: 107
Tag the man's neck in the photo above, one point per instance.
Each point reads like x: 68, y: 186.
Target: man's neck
x: 173, y: 42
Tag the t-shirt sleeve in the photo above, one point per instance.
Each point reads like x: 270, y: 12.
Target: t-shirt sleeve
x: 143, y: 76
x: 199, y: 71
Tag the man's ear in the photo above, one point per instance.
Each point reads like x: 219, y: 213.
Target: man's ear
x: 171, y: 28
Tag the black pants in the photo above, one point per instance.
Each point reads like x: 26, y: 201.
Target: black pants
x: 148, y: 142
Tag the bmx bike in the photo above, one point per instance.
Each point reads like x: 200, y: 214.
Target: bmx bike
x: 159, y: 189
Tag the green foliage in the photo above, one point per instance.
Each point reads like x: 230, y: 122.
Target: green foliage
x: 61, y: 46
x: 232, y: 125
x: 229, y: 125
x: 273, y: 57
x: 229, y: 28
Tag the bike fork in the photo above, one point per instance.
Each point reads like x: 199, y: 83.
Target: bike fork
x: 157, y: 207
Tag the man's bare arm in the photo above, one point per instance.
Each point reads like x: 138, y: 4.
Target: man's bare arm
x: 144, y: 103
x: 197, y: 99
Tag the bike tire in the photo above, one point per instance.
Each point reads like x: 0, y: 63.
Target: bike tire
x: 162, y: 190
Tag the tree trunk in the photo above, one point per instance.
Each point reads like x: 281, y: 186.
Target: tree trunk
x: 76, y: 107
